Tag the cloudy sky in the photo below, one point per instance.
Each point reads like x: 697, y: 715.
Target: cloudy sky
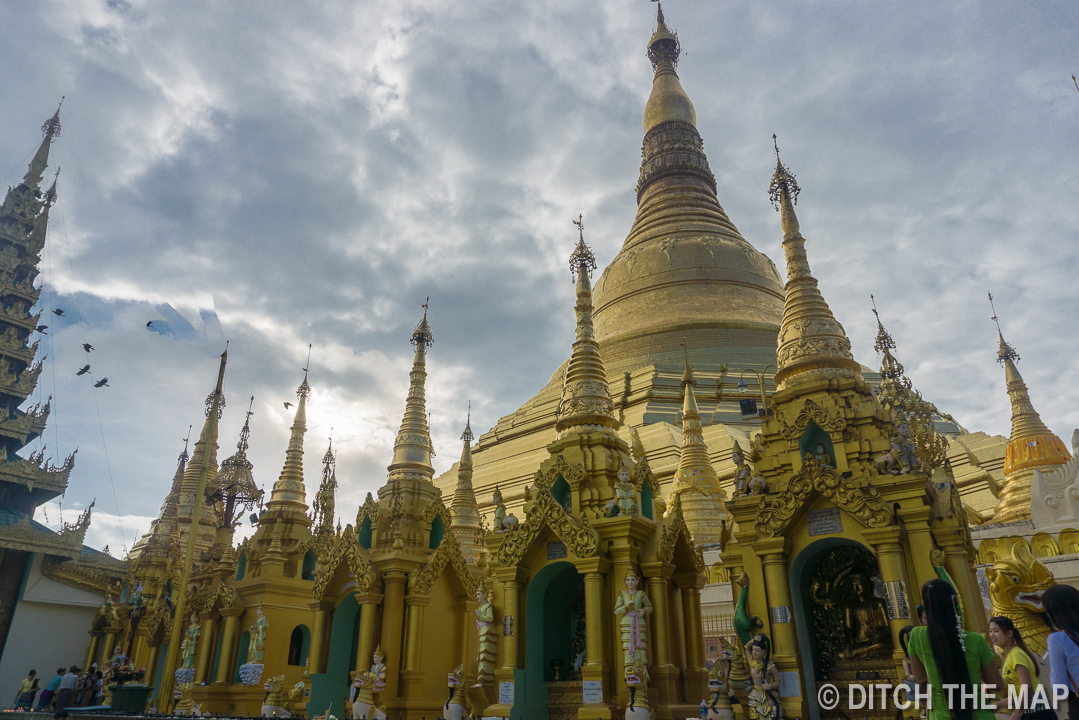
x: 286, y: 173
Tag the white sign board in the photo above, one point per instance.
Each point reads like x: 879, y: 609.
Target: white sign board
x: 825, y: 521
x: 789, y: 685
x: 505, y: 693
x: 592, y: 691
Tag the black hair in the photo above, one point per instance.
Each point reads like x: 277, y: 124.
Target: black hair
x: 904, y: 638
x: 944, y: 628
x: 761, y: 640
x: 1006, y: 624
x: 1061, y: 604
x: 73, y: 669
x: 33, y: 672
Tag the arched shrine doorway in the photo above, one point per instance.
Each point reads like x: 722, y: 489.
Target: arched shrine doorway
x: 333, y: 685
x: 841, y: 614
x: 554, y: 637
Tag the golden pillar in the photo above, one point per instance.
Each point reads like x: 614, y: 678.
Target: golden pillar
x: 961, y: 568
x: 690, y: 584
x: 596, y: 667
x: 110, y: 643
x: 663, y: 672
x: 207, y: 636
x: 916, y: 524
x: 773, y: 555
x: 91, y: 652
x: 393, y: 628
x: 365, y: 643
x: 887, y: 543
x: 470, y: 638
x: 511, y: 602
x: 316, y: 655
x: 230, y: 635
x: 414, y: 633
x: 151, y: 666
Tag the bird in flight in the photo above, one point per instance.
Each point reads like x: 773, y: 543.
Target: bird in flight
x: 103, y: 382
x: 87, y: 347
x: 150, y: 324
x: 288, y: 405
x: 85, y: 369
x: 58, y: 312
x: 41, y: 329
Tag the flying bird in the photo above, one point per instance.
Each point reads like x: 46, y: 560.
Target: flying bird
x: 87, y: 347
x: 85, y: 369
x: 41, y: 329
x: 150, y: 324
x: 58, y: 312
x: 288, y: 405
x: 103, y: 382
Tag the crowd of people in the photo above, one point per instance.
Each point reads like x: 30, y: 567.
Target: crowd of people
x: 954, y: 664
x: 69, y: 688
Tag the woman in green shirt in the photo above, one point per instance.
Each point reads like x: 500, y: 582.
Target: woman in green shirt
x: 944, y: 654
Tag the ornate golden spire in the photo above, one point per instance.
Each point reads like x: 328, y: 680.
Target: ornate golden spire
x: 668, y: 101
x: 412, y: 450
x: 695, y: 481
x: 812, y: 344
x: 288, y: 491
x: 586, y: 398
x: 51, y: 129
x: 464, y: 509
x: 1031, y: 444
x: 325, y: 502
x: 205, y: 451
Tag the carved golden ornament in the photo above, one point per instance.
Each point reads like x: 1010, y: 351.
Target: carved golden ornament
x: 812, y: 412
x: 572, y: 474
x: 1016, y: 586
x: 346, y: 548
x: 774, y: 511
x: 437, y: 508
x: 369, y: 509
x: 586, y: 397
x: 674, y: 527
x: 449, y: 552
x: 578, y: 536
x: 936, y: 557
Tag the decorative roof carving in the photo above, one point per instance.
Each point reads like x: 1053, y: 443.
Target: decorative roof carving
x: 775, y: 511
x: 578, y: 536
x: 346, y: 549
x: 449, y: 552
x: 812, y: 412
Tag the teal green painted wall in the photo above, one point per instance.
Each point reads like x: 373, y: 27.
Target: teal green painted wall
x: 332, y: 685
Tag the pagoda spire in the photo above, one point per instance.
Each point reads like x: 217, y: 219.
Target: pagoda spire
x: 325, y: 502
x: 289, y: 492
x: 36, y: 171
x: 696, y: 483
x: 204, y: 453
x: 668, y: 100
x: 812, y: 343
x: 413, y: 449
x: 464, y: 509
x: 586, y: 398
x: 1031, y: 445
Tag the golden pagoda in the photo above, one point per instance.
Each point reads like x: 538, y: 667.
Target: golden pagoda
x: 1031, y: 445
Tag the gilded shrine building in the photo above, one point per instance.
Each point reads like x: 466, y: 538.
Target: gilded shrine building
x: 560, y: 567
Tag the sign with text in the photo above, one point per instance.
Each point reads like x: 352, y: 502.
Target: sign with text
x: 556, y: 550
x: 789, y: 685
x: 825, y: 521
x: 505, y: 693
x: 592, y: 691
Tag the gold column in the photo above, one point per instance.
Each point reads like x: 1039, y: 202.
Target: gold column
x: 511, y: 594
x: 95, y: 641
x: 317, y: 653
x: 916, y: 525
x: 392, y: 629
x: 961, y: 569
x: 110, y: 643
x: 365, y: 644
x: 151, y: 666
x: 696, y: 673
x: 414, y: 636
x: 207, y: 636
x: 596, y: 668
x: 887, y: 543
x: 773, y: 555
x: 231, y: 634
x: 470, y: 637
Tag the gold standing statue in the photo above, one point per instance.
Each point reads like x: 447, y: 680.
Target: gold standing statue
x: 633, y: 607
x: 764, y: 695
